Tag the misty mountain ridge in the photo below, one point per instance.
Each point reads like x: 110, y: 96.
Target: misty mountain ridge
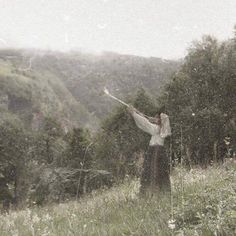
x: 68, y: 86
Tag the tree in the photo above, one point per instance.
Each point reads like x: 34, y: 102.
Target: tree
x: 200, y: 100
x: 48, y: 150
x: 79, y: 157
x: 13, y: 160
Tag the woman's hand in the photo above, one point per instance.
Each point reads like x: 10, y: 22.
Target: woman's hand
x: 131, y: 109
x: 163, y: 116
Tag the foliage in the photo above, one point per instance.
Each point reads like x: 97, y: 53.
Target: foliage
x: 79, y: 154
x: 63, y: 166
x: 13, y: 160
x: 31, y: 91
x: 200, y: 101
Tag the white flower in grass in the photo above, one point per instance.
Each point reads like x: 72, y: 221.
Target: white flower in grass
x: 46, y: 231
x: 171, y: 224
x: 45, y: 234
x: 8, y: 223
x: 35, y: 219
x: 196, y: 233
x: 47, y: 217
x: 27, y: 216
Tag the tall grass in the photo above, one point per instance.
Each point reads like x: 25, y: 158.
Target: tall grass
x: 203, y: 203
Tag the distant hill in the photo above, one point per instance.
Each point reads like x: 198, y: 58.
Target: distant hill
x: 69, y: 86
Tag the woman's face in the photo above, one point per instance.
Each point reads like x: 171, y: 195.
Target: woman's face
x: 157, y: 119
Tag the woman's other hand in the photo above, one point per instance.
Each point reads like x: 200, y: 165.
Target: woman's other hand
x: 131, y: 109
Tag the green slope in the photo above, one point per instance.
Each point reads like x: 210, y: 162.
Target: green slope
x: 204, y: 203
x: 31, y: 91
x: 69, y: 85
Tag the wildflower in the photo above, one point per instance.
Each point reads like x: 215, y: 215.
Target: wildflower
x: 171, y: 224
x: 8, y: 223
x: 35, y: 219
x: 45, y: 231
x: 47, y: 218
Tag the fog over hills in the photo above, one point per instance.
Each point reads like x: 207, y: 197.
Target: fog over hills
x: 68, y: 86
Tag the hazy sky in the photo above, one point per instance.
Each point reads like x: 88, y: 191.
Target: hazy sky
x: 160, y: 28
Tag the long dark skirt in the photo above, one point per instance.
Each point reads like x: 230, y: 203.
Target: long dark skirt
x: 155, y: 176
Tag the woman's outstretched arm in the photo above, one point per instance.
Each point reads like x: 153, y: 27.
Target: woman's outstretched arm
x: 142, y: 122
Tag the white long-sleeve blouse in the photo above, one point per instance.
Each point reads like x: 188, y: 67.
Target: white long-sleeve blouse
x: 158, y: 133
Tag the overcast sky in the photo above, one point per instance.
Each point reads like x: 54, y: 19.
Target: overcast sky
x: 160, y: 28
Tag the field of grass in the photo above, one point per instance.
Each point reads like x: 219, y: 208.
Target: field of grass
x: 203, y: 203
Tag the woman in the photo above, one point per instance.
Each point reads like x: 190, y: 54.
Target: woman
x: 155, y: 176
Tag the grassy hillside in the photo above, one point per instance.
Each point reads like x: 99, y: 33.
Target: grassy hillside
x: 70, y: 85
x: 204, y: 203
x: 27, y: 92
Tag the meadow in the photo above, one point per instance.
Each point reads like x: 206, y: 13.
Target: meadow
x: 203, y: 202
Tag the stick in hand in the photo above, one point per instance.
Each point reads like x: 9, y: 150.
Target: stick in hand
x: 120, y: 101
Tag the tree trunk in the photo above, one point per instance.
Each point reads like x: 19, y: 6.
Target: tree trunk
x: 189, y: 156
x: 215, y: 151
